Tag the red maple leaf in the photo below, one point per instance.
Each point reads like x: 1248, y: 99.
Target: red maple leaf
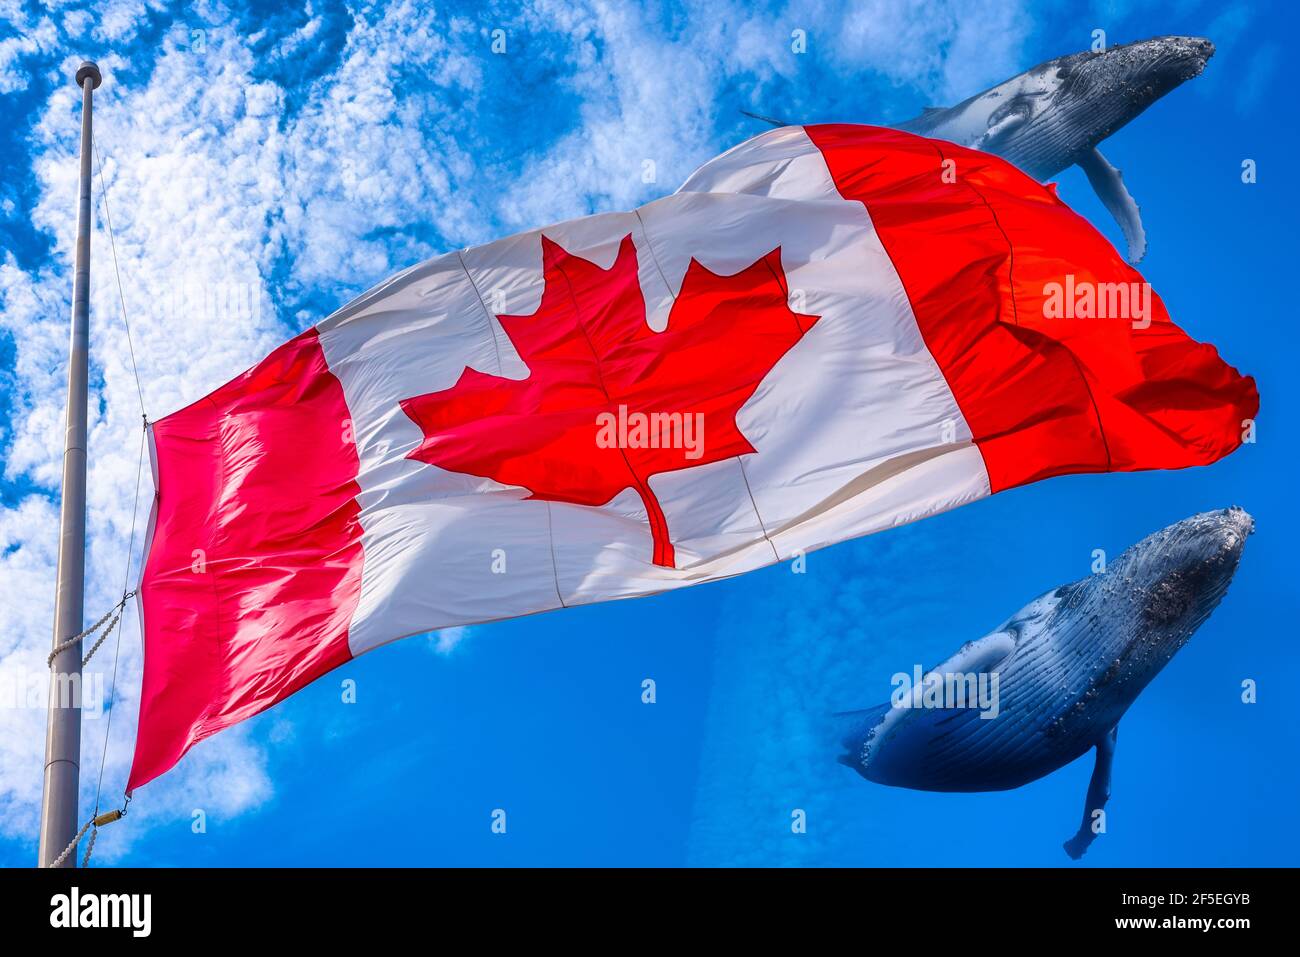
x: 597, y: 370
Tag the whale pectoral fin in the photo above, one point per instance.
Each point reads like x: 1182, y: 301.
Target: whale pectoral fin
x: 1108, y: 182
x: 979, y: 656
x: 1098, y: 795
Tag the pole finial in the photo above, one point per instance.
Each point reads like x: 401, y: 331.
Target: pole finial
x: 90, y: 69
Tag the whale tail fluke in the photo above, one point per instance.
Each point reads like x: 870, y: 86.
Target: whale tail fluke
x: 851, y: 724
x: 851, y: 729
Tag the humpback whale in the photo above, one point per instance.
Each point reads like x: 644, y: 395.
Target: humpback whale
x: 1054, y: 116
x: 1065, y: 669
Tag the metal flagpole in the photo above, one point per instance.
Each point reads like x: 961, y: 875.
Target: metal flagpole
x: 59, y: 822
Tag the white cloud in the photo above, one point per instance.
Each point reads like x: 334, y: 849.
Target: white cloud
x: 119, y: 21
x: 946, y: 49
x: 650, y: 96
x: 29, y: 38
x: 77, y: 22
x: 357, y: 159
x: 444, y: 641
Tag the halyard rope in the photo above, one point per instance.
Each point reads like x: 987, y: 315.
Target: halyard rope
x: 90, y: 845
x: 58, y: 861
x: 121, y: 296
x: 95, y: 823
x: 115, y: 613
x: 112, y: 684
x: 98, y: 818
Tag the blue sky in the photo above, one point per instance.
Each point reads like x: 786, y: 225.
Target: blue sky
x: 294, y: 158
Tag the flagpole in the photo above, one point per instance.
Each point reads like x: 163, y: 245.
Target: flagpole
x: 59, y: 823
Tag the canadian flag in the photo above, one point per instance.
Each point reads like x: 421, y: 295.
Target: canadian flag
x: 827, y: 331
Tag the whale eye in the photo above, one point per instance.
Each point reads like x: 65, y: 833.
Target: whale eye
x: 1013, y: 110
x: 1070, y: 595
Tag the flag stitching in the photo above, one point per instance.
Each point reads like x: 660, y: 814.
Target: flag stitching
x: 758, y: 516
x: 1015, y: 312
x: 490, y: 319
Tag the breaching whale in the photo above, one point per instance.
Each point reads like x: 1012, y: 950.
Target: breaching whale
x: 1065, y: 669
x: 1054, y: 116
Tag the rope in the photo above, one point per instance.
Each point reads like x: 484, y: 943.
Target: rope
x: 126, y: 577
x: 97, y: 818
x: 93, y: 825
x: 58, y: 861
x: 63, y: 646
x: 121, y: 296
x: 135, y: 512
x: 104, y: 637
x: 90, y: 845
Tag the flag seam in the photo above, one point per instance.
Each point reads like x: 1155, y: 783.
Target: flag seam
x: 1015, y: 309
